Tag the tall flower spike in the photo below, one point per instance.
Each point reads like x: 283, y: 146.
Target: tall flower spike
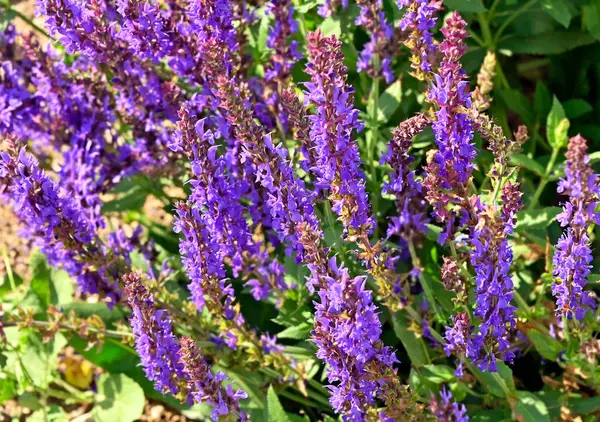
x: 337, y: 166
x: 492, y: 258
x: 418, y: 20
x: 374, y: 59
x: 58, y: 225
x: 449, y: 168
x: 155, y: 342
x: 573, y: 251
x: 481, y: 96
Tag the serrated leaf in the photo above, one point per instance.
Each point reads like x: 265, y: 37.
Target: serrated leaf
x: 531, y: 408
x: 119, y: 398
x: 559, y: 10
x: 548, y: 43
x: 474, y: 6
x: 546, y: 346
x: 275, y: 410
x: 524, y: 161
x: 415, y: 347
x: 556, y: 131
x: 591, y: 18
x: 389, y: 101
x: 576, y: 107
x: 536, y: 219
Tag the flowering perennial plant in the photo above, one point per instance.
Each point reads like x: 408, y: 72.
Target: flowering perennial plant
x: 298, y: 210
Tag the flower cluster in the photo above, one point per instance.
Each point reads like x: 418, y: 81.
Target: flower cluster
x: 337, y: 166
x: 375, y: 57
x: 447, y: 410
x: 573, y: 251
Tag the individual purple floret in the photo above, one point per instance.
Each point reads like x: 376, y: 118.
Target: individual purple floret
x: 447, y: 410
x: 573, y: 251
x: 374, y: 57
x: 328, y: 8
x: 337, y: 166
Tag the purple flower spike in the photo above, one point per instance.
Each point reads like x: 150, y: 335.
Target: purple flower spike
x: 573, y: 251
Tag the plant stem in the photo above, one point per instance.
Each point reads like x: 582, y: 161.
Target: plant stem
x: 9, y: 273
x: 544, y: 179
x: 511, y: 18
x: 66, y: 327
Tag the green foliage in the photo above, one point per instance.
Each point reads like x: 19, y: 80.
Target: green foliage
x: 119, y: 398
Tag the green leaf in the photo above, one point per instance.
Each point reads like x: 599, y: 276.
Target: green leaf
x: 299, y: 332
x: 591, y: 18
x: 559, y: 10
x: 134, y: 199
x: 585, y: 406
x: 524, y: 161
x: 305, y: 6
x: 542, y: 100
x: 474, y: 6
x: 40, y: 359
x: 548, y: 43
x: 40, y: 278
x: 594, y: 157
x: 331, y: 26
x: 275, y: 410
x: 518, y: 103
x: 531, y: 408
x: 536, y: 219
x: 557, y: 125
x: 546, y: 346
x: 389, y: 101
x: 119, y: 398
x: 415, y: 347
x: 263, y: 32
x: 8, y: 389
x: 498, y: 383
x: 576, y: 107
x: 52, y: 413
x: 438, y: 374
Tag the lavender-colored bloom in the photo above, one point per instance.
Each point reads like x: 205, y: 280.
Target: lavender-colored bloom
x: 328, y: 8
x: 374, y: 57
x: 418, y: 21
x: 408, y: 190
x: 452, y: 164
x: 447, y: 410
x: 57, y: 224
x: 573, y: 251
x: 208, y: 388
x: 492, y: 257
x: 347, y: 332
x: 155, y: 342
x: 337, y: 166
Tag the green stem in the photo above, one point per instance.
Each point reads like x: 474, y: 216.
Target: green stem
x: 44, y: 324
x: 29, y: 22
x: 544, y: 179
x: 485, y: 31
x: 9, y: 273
x: 505, y: 389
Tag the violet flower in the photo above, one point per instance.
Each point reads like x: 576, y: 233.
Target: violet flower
x: 573, y: 251
x: 447, y: 410
x: 375, y: 57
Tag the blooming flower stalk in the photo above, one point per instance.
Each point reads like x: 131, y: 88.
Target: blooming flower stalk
x: 375, y: 58
x: 337, y: 166
x: 447, y: 410
x: 573, y: 251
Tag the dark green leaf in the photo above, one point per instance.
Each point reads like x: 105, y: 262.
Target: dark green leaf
x: 8, y: 389
x: 524, y: 161
x: 542, y: 100
x: 132, y: 200
x: 548, y: 43
x: 536, y: 219
x: 518, y: 103
x: 298, y: 332
x: 585, y: 406
x: 531, y: 408
x: 576, y: 108
x: 500, y: 383
x: 591, y: 18
x: 474, y: 6
x: 274, y: 408
x: 119, y: 398
x: 559, y: 10
x: 546, y: 346
x: 415, y: 347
